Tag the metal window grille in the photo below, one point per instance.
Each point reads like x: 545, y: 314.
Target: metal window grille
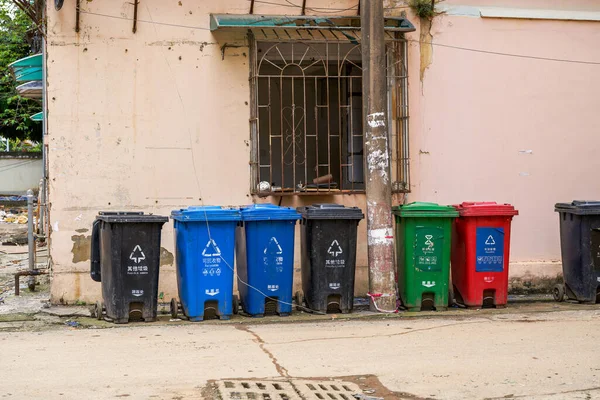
x: 306, y: 115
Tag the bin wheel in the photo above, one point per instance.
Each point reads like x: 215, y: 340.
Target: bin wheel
x: 174, y: 308
x: 98, y: 310
x: 558, y: 292
x: 299, y: 301
x: 236, y: 304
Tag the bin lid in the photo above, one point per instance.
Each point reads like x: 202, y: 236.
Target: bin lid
x: 579, y: 207
x: 129, y: 217
x: 266, y: 212
x: 485, y: 208
x: 330, y: 211
x: 206, y: 213
x: 425, y: 210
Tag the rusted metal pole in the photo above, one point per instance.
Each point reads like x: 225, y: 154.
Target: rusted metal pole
x: 380, y: 237
x: 26, y: 273
x: 135, y: 15
x: 77, y: 9
x: 30, y: 238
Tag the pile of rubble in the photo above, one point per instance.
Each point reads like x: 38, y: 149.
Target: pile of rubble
x: 13, y: 216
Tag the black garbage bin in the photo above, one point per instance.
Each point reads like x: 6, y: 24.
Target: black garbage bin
x: 580, y: 248
x: 328, y: 236
x: 125, y: 258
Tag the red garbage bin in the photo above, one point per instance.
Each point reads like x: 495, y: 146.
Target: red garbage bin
x: 480, y: 253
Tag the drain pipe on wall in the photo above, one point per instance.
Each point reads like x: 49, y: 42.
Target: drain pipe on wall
x: 30, y: 239
x: 44, y: 218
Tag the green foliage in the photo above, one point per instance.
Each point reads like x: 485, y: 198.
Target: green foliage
x: 22, y: 145
x: 423, y: 8
x: 16, y: 35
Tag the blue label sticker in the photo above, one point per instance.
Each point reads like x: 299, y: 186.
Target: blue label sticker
x: 490, y: 250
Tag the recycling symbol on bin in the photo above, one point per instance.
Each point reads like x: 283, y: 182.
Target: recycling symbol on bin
x: 335, y: 249
x: 273, y: 247
x: 273, y: 257
x: 137, y: 255
x: 211, y: 249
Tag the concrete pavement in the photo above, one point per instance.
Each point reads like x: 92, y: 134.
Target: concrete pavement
x: 471, y: 355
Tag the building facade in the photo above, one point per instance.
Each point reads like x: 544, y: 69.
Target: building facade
x: 491, y: 101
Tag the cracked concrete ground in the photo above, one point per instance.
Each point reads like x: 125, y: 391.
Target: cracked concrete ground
x: 538, y: 352
x: 533, y: 349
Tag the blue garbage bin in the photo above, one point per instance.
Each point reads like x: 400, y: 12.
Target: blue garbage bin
x: 204, y: 249
x: 265, y: 259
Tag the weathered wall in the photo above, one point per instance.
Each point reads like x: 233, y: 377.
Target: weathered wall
x: 157, y: 120
x: 150, y: 121
x: 508, y: 129
x: 20, y: 172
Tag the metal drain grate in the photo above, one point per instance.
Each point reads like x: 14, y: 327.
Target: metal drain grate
x: 256, y: 390
x: 326, y: 390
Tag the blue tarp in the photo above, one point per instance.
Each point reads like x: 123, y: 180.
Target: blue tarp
x: 13, y: 198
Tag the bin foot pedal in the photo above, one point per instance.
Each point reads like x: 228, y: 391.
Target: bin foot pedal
x: 428, y: 302
x: 136, y: 312
x: 334, y: 302
x: 271, y: 305
x: 225, y: 317
x: 211, y: 309
x: 489, y: 298
x: 284, y: 314
x: 257, y: 315
x: 196, y: 319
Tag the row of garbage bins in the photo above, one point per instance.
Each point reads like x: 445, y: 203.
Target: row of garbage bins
x: 474, y: 237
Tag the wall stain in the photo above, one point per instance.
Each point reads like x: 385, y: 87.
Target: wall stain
x: 82, y: 246
x: 426, y: 38
x: 77, y: 286
x: 171, y: 43
x: 166, y: 257
x: 82, y: 230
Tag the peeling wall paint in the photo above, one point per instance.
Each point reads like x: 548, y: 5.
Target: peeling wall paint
x: 81, y: 248
x: 166, y: 257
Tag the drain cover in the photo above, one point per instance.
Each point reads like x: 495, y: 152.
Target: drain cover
x: 256, y: 390
x: 326, y: 390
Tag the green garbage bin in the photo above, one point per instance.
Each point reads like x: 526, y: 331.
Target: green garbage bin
x: 423, y: 233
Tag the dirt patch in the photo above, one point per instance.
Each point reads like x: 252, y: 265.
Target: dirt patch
x: 371, y: 386
x: 13, y: 234
x: 533, y: 284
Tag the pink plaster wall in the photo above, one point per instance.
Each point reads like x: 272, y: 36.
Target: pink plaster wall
x: 477, y: 116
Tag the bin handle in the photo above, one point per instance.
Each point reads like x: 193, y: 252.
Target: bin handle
x: 95, y: 252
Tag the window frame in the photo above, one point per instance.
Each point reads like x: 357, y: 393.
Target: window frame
x: 398, y: 117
